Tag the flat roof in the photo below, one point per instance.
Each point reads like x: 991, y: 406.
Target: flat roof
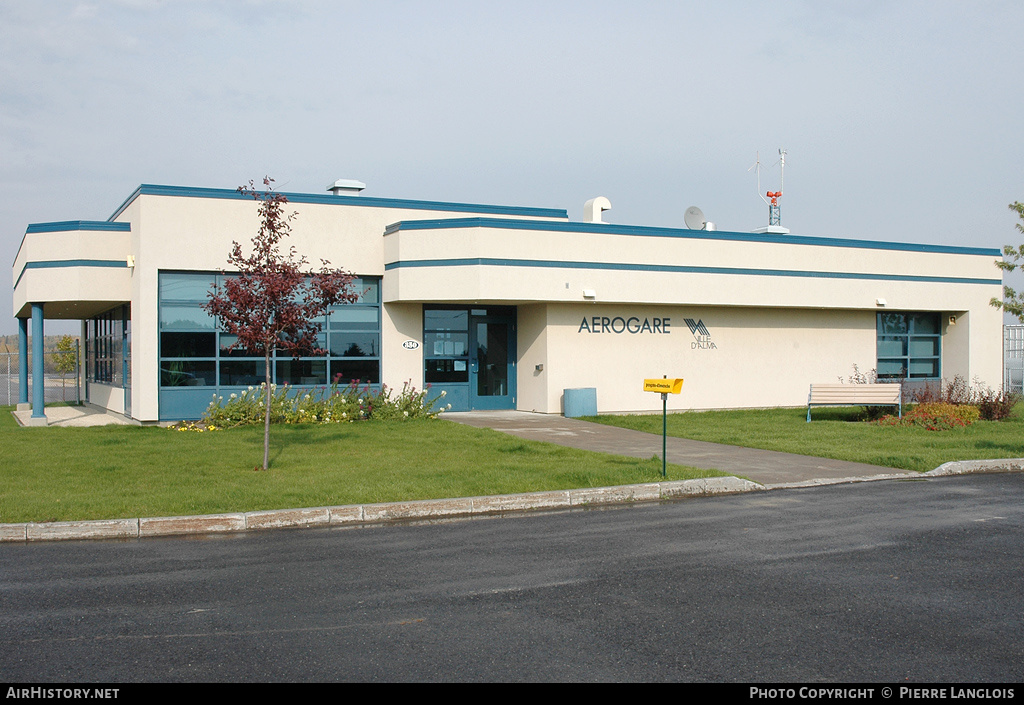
x: 331, y: 199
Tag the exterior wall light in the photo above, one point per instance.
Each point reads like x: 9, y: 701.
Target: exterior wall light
x: 879, y: 302
x: 589, y: 294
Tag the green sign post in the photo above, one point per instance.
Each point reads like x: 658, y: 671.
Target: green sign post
x: 664, y: 386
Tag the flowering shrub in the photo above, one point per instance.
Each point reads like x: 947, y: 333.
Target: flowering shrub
x: 333, y: 404
x: 193, y: 426
x: 992, y: 405
x: 972, y: 401
x: 935, y: 416
x: 995, y: 406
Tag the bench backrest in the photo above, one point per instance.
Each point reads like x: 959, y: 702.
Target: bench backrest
x: 855, y: 394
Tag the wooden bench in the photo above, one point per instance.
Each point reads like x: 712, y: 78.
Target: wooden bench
x: 855, y: 395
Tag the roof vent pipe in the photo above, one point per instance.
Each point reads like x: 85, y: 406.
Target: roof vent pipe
x: 593, y: 208
x: 346, y: 187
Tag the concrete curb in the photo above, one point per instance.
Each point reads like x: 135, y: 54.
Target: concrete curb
x: 432, y: 509
x: 842, y: 480
x: 369, y: 513
x: 963, y: 467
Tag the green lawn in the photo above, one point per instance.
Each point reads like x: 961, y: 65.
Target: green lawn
x: 839, y: 433
x: 56, y: 474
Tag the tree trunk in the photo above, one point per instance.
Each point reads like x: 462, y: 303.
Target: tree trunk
x: 266, y: 418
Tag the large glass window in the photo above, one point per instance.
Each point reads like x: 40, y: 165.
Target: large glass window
x: 909, y: 345
x: 353, y: 337
x: 106, y: 342
x: 194, y: 352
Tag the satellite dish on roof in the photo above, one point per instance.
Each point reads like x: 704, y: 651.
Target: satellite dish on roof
x: 694, y: 218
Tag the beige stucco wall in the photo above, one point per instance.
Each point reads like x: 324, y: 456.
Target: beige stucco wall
x: 762, y: 357
x: 532, y: 350
x: 399, y: 364
x: 753, y: 357
x: 750, y: 280
x: 65, y: 286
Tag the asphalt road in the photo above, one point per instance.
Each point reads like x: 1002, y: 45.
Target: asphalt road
x: 883, y: 582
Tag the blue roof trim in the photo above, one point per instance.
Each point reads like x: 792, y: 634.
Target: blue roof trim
x: 331, y: 199
x: 681, y: 269
x: 72, y: 225
x: 646, y: 231
x: 61, y: 263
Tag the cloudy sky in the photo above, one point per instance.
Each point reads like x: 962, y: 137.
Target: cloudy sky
x: 902, y: 120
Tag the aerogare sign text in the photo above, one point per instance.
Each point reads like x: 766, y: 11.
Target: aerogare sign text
x: 604, y: 324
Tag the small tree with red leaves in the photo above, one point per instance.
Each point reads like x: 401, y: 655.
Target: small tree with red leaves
x: 272, y: 302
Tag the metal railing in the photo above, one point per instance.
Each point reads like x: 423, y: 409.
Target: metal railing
x: 61, y: 378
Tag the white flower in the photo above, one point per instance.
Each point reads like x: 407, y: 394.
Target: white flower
x: 234, y: 396
x: 405, y: 413
x: 449, y: 406
x: 444, y: 393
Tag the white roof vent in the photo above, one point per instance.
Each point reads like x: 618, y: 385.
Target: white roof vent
x: 593, y: 208
x: 346, y: 187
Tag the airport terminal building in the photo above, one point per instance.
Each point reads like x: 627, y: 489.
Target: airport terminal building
x: 504, y: 307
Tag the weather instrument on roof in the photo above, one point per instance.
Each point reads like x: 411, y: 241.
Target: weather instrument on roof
x: 771, y: 198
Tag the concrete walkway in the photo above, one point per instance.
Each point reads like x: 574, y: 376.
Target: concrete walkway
x: 766, y: 467
x: 86, y: 415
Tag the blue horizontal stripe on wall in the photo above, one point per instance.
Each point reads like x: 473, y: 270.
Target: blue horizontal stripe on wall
x: 331, y: 199
x: 60, y: 263
x: 645, y: 231
x: 680, y: 269
x: 72, y: 225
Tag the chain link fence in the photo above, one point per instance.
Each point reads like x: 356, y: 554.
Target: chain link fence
x: 61, y: 379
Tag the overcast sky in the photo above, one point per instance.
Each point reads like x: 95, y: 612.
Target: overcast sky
x: 902, y: 120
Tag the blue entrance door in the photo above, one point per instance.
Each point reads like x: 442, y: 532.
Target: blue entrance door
x: 492, y: 364
x: 470, y: 355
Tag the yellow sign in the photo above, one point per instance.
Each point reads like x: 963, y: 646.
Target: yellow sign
x: 665, y: 386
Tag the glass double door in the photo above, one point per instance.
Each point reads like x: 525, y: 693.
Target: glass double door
x: 469, y: 353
